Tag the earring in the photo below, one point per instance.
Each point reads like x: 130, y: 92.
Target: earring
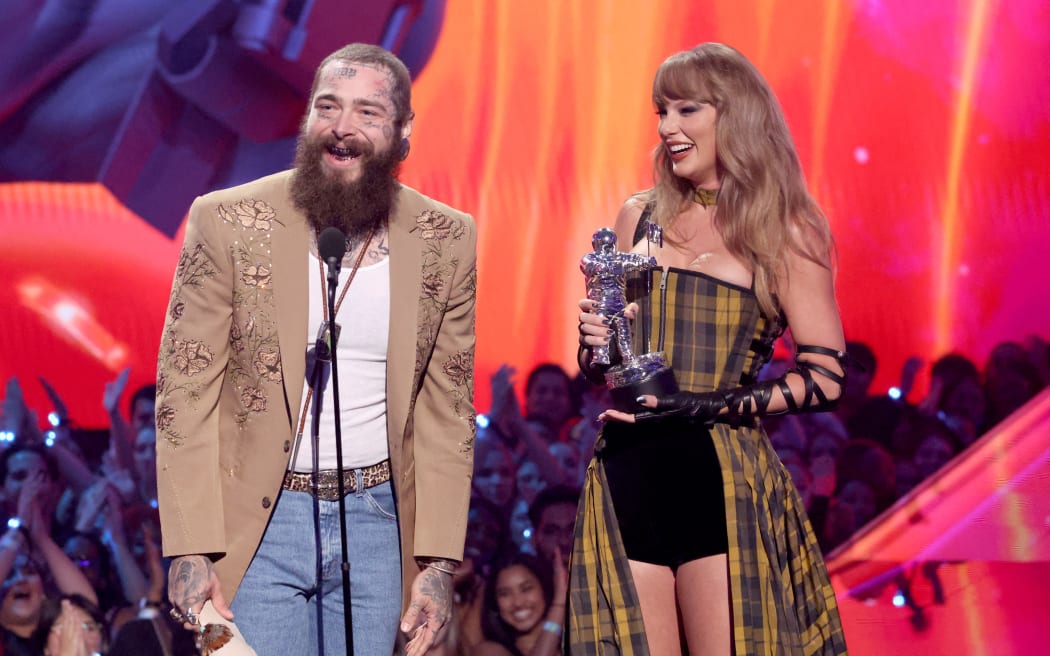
x: 405, y: 147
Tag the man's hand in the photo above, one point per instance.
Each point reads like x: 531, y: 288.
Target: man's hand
x: 430, y: 608
x: 191, y: 582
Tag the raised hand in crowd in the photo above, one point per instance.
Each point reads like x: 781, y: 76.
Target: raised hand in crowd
x: 120, y: 478
x: 100, y: 513
x: 911, y: 368
x: 15, y: 415
x: 119, y: 430
x: 68, y: 456
x: 73, y: 633
x: 154, y: 566
x: 519, y: 436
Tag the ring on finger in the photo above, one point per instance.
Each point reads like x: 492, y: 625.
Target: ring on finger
x: 176, y: 614
x: 191, y: 617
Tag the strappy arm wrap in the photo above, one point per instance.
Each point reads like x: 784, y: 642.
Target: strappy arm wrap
x: 741, y: 405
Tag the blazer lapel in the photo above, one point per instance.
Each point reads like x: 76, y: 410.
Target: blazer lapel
x: 290, y: 288
x: 406, y: 261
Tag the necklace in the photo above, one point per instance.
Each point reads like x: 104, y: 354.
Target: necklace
x: 706, y: 197
x: 329, y: 328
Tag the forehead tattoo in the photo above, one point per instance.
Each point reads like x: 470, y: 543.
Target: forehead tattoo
x: 344, y: 71
x: 383, y: 89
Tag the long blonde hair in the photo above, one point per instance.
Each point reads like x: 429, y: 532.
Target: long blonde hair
x: 763, y: 206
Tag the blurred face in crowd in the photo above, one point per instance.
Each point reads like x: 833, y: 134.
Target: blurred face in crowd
x: 483, y: 538
x: 23, y: 596
x: 25, y: 466
x: 567, y: 457
x: 494, y: 476
x: 21, y: 467
x: 519, y: 596
x: 143, y: 414
x: 860, y: 499
x: 548, y: 399
x: 824, y: 445
x: 91, y: 632
x: 967, y: 402
x: 85, y: 555
x: 521, y: 526
x: 529, y: 481
x: 146, y: 458
x: 555, y: 531
x: 932, y: 453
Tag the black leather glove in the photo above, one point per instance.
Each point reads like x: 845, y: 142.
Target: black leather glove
x: 705, y: 406
x: 742, y: 405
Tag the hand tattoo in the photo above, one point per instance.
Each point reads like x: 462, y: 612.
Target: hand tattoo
x: 189, y: 581
x: 437, y: 587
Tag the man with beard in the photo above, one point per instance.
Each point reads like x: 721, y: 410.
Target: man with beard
x: 236, y: 492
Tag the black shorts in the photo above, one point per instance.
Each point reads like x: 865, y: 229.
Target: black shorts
x: 666, y: 486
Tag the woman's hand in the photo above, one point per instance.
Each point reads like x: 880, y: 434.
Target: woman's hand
x: 68, y: 633
x: 29, y: 511
x: 705, y: 406
x: 595, y: 329
x: 113, y: 390
x: 90, y: 506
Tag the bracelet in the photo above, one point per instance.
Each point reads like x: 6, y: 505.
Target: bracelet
x: 450, y: 572
x: 551, y: 626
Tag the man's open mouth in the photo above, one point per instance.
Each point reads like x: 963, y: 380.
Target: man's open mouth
x: 343, y: 154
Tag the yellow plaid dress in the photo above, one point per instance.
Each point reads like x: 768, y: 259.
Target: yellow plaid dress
x: 782, y: 600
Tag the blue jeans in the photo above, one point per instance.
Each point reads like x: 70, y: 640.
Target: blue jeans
x: 277, y: 605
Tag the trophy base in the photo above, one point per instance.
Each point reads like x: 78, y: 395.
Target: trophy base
x: 648, y: 374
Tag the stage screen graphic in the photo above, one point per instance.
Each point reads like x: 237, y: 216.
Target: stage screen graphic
x: 924, y: 131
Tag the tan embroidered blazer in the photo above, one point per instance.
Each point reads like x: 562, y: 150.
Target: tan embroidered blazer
x: 232, y: 366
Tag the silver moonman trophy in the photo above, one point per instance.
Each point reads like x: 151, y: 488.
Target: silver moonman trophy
x: 605, y: 271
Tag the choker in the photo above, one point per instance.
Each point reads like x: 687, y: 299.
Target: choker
x: 706, y: 197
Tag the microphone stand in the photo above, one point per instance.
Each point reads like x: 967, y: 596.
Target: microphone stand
x: 333, y: 280
x: 316, y: 381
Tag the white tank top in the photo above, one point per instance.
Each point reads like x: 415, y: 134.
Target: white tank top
x: 364, y: 320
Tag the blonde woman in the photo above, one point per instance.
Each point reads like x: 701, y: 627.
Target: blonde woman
x: 691, y: 536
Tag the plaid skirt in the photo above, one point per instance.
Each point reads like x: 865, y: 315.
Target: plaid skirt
x: 782, y: 599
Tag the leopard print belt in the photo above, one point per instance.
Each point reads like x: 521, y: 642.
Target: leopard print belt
x: 328, y: 480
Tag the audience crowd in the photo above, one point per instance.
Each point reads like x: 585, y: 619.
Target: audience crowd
x: 80, y: 554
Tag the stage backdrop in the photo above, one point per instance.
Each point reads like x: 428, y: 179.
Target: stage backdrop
x: 923, y: 129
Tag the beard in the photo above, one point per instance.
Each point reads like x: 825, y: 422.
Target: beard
x: 355, y: 206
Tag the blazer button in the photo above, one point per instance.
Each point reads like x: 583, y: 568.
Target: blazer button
x: 266, y: 502
x: 287, y: 446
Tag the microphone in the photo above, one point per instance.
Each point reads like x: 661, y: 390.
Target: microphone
x: 331, y: 245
